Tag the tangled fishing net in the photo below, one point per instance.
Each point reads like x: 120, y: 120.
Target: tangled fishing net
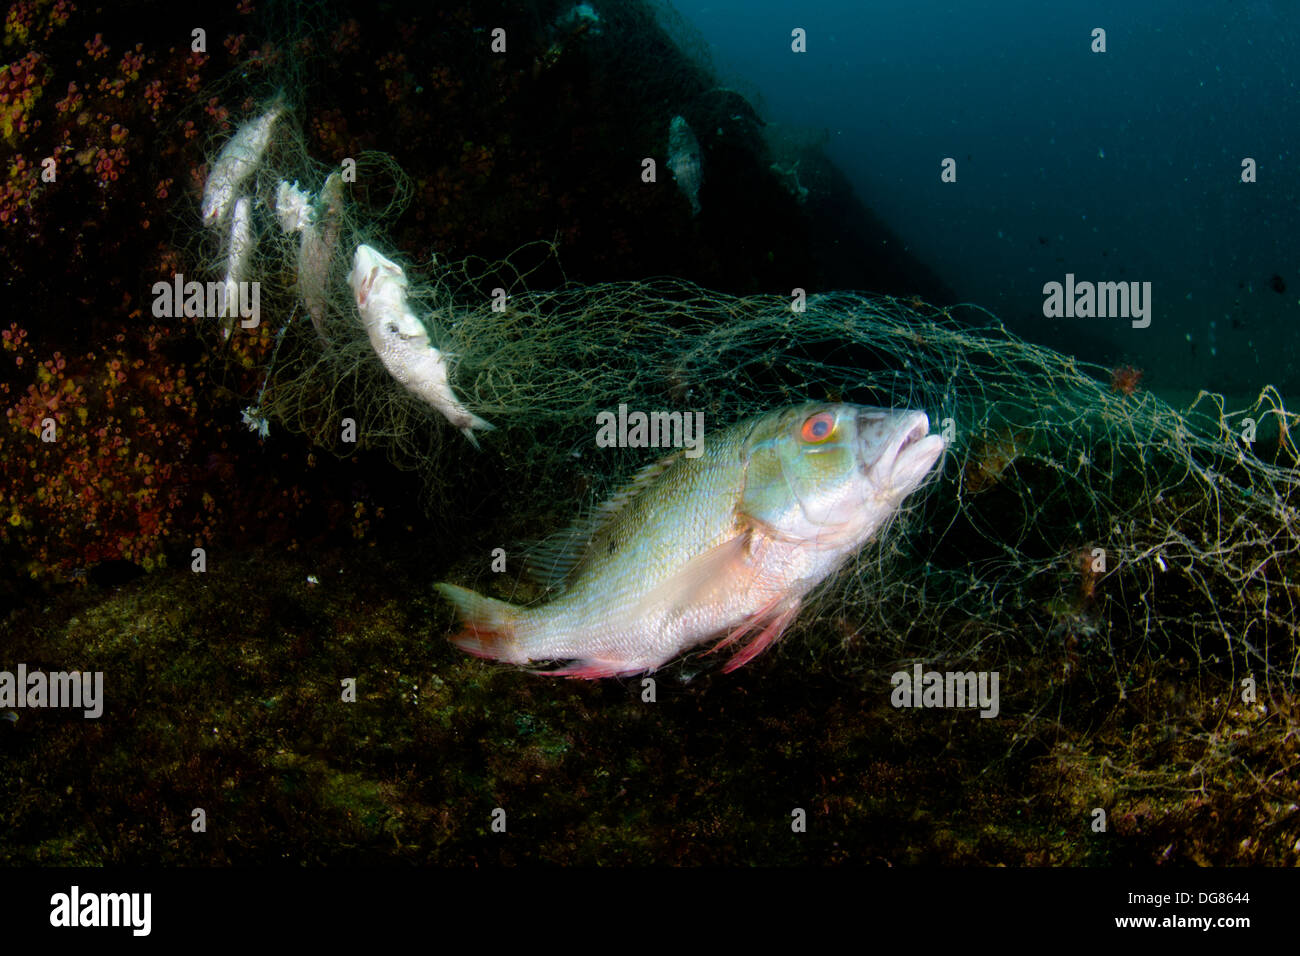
x: 1083, y: 537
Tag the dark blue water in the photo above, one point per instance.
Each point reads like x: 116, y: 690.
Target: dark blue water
x: 1116, y: 166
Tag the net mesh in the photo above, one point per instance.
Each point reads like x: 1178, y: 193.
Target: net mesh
x: 1083, y: 535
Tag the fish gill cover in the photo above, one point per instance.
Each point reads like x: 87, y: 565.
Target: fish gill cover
x: 1129, y: 568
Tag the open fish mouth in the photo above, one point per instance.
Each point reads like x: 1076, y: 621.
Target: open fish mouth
x: 908, y: 455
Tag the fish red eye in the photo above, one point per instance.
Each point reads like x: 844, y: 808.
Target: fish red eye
x: 818, y: 428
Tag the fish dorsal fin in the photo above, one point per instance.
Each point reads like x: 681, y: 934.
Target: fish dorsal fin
x: 556, y: 560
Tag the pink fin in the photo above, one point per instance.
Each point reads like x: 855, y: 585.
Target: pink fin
x: 492, y: 645
x: 490, y: 625
x: 592, y: 669
x: 747, y: 625
x: 772, y: 630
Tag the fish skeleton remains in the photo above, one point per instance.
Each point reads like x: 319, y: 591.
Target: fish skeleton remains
x: 400, y: 339
x: 236, y: 162
x: 727, y: 544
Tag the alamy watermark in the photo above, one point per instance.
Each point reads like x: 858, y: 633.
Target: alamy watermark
x: 211, y: 300
x: 75, y: 908
x: 82, y: 690
x: 951, y: 689
x: 1100, y: 300
x: 651, y: 430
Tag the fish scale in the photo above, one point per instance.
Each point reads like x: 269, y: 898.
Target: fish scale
x: 687, y: 512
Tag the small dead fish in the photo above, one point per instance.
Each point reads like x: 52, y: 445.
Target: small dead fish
x: 316, y: 250
x: 400, y: 339
x: 236, y: 162
x: 317, y: 224
x: 727, y: 544
x: 684, y: 161
x: 238, y: 251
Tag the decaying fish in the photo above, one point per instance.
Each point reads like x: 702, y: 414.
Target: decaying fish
x: 238, y: 251
x: 400, y: 339
x: 727, y: 544
x: 293, y: 207
x: 685, y: 162
x: 316, y: 250
x: 236, y: 162
x: 317, y: 224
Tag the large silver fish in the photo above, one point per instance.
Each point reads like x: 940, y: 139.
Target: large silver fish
x: 727, y: 544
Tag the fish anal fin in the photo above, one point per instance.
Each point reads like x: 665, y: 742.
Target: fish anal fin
x: 592, y: 669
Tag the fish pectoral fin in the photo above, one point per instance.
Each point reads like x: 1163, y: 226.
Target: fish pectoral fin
x: 490, y: 625
x: 775, y: 618
x: 720, y: 569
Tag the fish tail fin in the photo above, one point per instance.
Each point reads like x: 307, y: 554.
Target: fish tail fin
x: 476, y: 422
x: 490, y: 625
